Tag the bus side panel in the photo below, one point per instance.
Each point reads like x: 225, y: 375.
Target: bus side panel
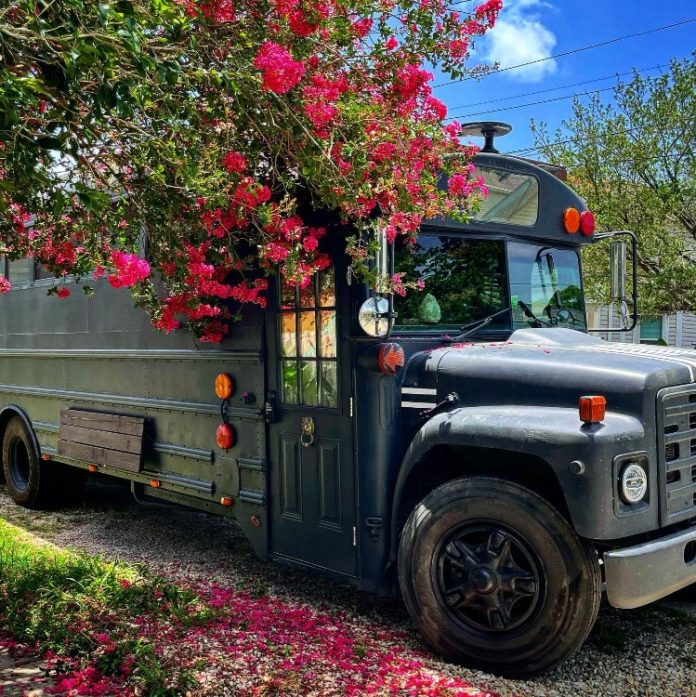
x: 101, y: 354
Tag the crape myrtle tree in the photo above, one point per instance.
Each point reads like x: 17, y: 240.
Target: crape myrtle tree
x: 634, y: 162
x: 186, y: 149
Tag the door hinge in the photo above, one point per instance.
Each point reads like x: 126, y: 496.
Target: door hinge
x: 355, y: 536
x: 350, y: 408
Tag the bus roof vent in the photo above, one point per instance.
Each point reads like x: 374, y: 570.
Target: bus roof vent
x: 490, y: 130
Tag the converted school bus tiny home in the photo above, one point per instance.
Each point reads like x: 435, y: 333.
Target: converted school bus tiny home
x: 432, y: 444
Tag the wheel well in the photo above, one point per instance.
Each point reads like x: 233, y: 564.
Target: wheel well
x: 5, y: 416
x: 446, y: 462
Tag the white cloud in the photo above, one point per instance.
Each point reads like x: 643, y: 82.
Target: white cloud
x: 520, y: 37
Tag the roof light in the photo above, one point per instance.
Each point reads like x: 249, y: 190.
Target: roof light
x: 571, y: 220
x: 224, y: 436
x: 592, y: 409
x: 587, y: 223
x: 224, y: 386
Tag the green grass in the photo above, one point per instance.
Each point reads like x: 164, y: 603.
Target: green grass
x: 90, y: 611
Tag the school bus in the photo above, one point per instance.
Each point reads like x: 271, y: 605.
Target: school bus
x: 472, y: 447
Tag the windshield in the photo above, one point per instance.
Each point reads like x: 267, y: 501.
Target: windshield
x: 546, y: 282
x: 467, y: 280
x: 464, y: 281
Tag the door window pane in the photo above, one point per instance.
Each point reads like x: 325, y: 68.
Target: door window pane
x: 290, y: 382
x: 329, y: 384
x: 307, y: 295
x: 327, y: 333
x: 310, y: 387
x: 308, y: 342
x: 288, y: 334
x: 308, y: 333
x: 327, y: 288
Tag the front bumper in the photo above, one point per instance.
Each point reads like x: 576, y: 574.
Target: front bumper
x: 638, y: 575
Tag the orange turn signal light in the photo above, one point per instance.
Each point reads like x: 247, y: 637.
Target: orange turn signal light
x: 592, y: 409
x: 224, y: 436
x: 155, y: 483
x: 92, y: 468
x: 46, y: 457
x: 224, y: 386
x: 571, y: 220
x: 226, y: 500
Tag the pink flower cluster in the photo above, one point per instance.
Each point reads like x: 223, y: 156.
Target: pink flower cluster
x: 129, y: 269
x: 320, y: 99
x: 5, y: 286
x: 280, y: 71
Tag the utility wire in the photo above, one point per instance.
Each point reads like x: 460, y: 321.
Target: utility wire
x: 560, y: 87
x: 601, y: 44
x: 622, y: 131
x: 539, y: 101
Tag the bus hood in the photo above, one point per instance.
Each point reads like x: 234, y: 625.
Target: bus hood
x: 554, y: 367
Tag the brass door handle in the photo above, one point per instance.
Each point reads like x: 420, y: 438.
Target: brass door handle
x: 307, y: 437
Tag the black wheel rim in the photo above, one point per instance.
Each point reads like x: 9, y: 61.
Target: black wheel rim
x: 489, y: 578
x: 19, y: 464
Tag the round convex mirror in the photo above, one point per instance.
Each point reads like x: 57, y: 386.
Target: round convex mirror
x: 369, y: 317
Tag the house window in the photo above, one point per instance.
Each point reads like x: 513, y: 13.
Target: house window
x: 308, y: 346
x: 650, y: 330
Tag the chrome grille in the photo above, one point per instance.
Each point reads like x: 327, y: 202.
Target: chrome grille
x: 676, y: 438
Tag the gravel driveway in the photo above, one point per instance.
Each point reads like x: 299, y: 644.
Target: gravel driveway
x: 651, y: 651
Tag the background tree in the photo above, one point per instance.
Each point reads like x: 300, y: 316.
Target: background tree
x: 634, y: 162
x: 220, y: 136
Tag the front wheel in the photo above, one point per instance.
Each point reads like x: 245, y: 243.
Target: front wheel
x: 495, y: 578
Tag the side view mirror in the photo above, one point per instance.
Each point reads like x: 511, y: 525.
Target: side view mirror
x: 373, y: 317
x: 617, y: 260
x: 618, y: 281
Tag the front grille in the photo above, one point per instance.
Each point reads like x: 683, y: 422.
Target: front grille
x: 676, y: 439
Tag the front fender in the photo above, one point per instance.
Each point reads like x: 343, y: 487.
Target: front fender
x: 557, y: 436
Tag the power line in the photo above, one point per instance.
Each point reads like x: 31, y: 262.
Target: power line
x: 560, y: 87
x: 539, y: 101
x: 540, y: 148
x: 601, y: 44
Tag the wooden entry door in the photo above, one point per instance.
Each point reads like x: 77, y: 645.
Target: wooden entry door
x: 311, y: 440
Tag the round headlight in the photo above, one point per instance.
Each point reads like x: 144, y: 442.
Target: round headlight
x: 633, y: 484
x: 372, y: 316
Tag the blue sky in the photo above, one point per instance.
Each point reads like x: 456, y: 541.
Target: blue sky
x: 531, y: 29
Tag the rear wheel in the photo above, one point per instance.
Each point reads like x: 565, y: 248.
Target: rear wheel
x: 494, y: 577
x: 30, y: 482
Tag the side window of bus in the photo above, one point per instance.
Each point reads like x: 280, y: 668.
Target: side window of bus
x: 308, y: 342
x: 20, y: 272
x: 42, y: 273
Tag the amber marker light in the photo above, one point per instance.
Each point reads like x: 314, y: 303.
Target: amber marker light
x: 571, y: 220
x: 155, y: 483
x: 226, y: 500
x: 592, y: 409
x: 46, y: 458
x: 224, y: 386
x: 587, y: 223
x: 224, y: 436
x: 92, y: 468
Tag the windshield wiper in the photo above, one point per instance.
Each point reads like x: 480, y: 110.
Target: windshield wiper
x: 478, y: 324
x: 528, y: 313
